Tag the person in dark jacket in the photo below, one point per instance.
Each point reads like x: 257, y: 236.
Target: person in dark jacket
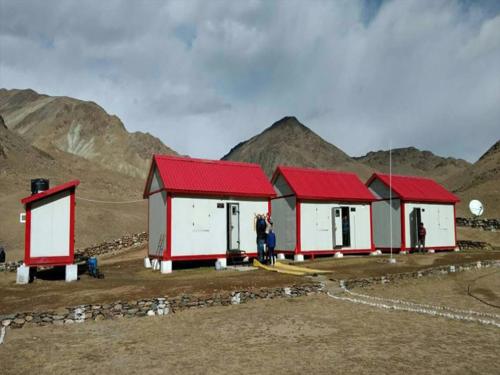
x: 260, y: 227
x: 271, y: 244
x: 421, y: 237
x: 2, y: 255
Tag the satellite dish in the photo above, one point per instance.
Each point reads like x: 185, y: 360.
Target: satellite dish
x: 476, y: 207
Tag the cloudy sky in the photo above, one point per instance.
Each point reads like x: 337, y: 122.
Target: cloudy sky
x: 205, y: 75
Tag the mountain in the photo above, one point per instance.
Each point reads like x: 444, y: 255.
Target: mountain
x: 288, y: 142
x: 412, y: 161
x: 80, y: 128
x: 480, y: 181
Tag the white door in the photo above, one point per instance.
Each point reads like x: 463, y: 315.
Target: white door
x: 233, y: 223
x: 337, y: 226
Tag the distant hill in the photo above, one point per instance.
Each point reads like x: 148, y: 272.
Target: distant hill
x: 289, y: 142
x: 412, y: 161
x: 480, y: 181
x: 80, y: 128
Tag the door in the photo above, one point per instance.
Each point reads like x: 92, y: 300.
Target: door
x: 337, y: 226
x: 233, y: 226
x: 415, y: 219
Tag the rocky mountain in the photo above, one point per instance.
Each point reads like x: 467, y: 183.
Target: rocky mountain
x: 480, y: 181
x: 412, y: 161
x: 80, y: 128
x: 289, y: 142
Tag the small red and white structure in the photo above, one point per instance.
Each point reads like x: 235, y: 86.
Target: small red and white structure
x: 50, y: 230
x: 203, y: 209
x: 320, y: 212
x: 414, y: 200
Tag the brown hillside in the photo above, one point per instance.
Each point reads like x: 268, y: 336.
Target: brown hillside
x: 288, y: 142
x: 412, y: 161
x: 480, y: 181
x: 80, y: 128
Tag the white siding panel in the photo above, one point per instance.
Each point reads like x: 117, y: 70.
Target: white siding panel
x: 381, y: 223
x: 439, y: 223
x: 202, y: 229
x: 284, y: 222
x: 317, y: 228
x: 157, y: 223
x: 50, y: 224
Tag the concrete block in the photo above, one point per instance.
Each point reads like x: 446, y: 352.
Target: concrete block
x: 403, y: 252
x: 373, y: 253
x: 147, y: 262
x: 23, y: 274
x: 221, y: 264
x: 166, y: 266
x: 281, y: 256
x: 431, y: 251
x: 338, y: 255
x: 298, y: 258
x: 71, y: 272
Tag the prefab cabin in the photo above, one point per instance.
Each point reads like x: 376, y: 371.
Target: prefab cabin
x: 204, y: 209
x: 50, y: 226
x: 414, y: 200
x: 320, y: 212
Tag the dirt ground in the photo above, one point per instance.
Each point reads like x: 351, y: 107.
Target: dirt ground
x: 126, y: 279
x: 314, y: 334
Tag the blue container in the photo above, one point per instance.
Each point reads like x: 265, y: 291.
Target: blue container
x: 92, y: 266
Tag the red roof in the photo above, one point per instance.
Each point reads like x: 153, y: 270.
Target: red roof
x: 418, y: 189
x: 51, y: 191
x: 210, y: 177
x: 318, y: 184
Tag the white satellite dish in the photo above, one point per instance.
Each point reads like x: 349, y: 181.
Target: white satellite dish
x: 476, y: 207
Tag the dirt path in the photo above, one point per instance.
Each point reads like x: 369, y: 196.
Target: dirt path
x: 284, y: 336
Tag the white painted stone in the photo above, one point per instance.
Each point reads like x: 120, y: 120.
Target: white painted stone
x: 147, y: 262
x: 298, y: 257
x: 457, y: 249
x: 281, y: 256
x: 71, y: 272
x: 221, y: 264
x: 379, y: 252
x: 338, y: 255
x: 166, y: 266
x: 431, y: 251
x: 392, y: 260
x: 452, y: 269
x: 23, y: 274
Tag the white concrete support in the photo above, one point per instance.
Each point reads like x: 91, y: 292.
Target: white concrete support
x: 379, y: 252
x: 373, y: 253
x: 166, y: 266
x: 71, y: 272
x: 281, y: 256
x: 338, y: 255
x: 23, y: 274
x: 147, y: 262
x: 298, y: 258
x: 431, y: 251
x: 457, y: 249
x: 220, y: 263
x: 404, y: 252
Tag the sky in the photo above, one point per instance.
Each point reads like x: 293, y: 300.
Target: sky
x: 205, y: 75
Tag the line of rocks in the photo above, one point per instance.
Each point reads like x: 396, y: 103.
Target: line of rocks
x: 434, y: 271
x: 109, y: 247
x: 150, y: 307
x: 473, y: 245
x: 484, y: 224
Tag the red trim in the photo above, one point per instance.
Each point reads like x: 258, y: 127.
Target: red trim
x: 148, y: 180
x: 52, y: 191
x: 269, y: 207
x: 27, y: 234
x: 72, y: 217
x: 154, y: 192
x: 198, y: 257
x: 298, y: 244
x: 219, y: 194
x: 371, y: 229
x: 403, y: 224
x: 343, y: 251
x: 284, y: 196
x: 426, y: 248
x: 167, y: 253
x: 455, y: 222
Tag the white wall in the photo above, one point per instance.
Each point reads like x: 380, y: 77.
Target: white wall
x: 317, y: 230
x: 50, y: 224
x: 439, y: 223
x: 157, y: 223
x: 200, y: 228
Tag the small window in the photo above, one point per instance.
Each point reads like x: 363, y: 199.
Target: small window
x: 353, y: 209
x: 220, y: 205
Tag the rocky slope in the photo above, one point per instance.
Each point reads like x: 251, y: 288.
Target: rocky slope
x: 289, y: 142
x: 80, y: 128
x: 412, y: 161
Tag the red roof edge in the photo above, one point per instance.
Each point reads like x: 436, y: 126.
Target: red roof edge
x: 278, y: 172
x: 208, y: 161
x: 145, y: 194
x: 51, y: 191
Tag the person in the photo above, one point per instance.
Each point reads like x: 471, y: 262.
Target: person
x: 271, y: 244
x: 260, y: 227
x: 421, y: 237
x: 2, y: 255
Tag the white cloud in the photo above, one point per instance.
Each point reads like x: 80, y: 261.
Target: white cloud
x: 205, y: 75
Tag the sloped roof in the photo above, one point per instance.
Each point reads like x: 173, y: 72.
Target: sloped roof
x: 419, y: 189
x: 316, y: 184
x: 51, y: 191
x: 210, y: 177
